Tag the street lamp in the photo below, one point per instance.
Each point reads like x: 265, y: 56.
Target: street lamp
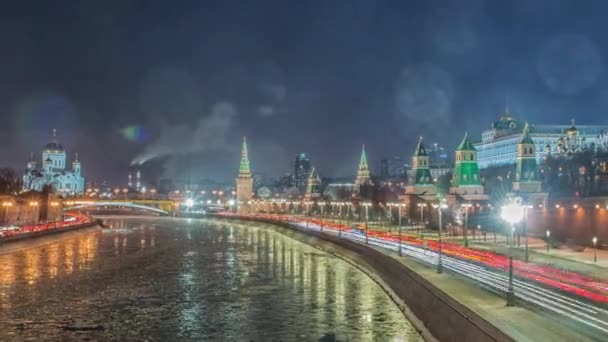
x: 548, y: 240
x: 594, y: 240
x: 399, y: 206
x: 512, y: 213
x: 466, y: 207
x: 366, y: 205
x: 421, y: 206
x: 442, y: 205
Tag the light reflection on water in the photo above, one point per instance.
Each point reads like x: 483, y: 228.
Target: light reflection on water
x: 169, y: 279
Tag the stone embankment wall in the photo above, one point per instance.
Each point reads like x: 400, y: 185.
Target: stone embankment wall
x: 436, y: 315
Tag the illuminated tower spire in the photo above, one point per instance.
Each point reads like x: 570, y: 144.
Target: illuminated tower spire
x: 466, y: 170
x: 313, y: 185
x: 76, y: 164
x: 244, y: 170
x: 420, y: 166
x: 363, y: 176
x: 244, y: 183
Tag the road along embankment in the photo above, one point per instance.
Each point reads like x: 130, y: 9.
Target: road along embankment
x: 434, y: 313
x: 46, y: 232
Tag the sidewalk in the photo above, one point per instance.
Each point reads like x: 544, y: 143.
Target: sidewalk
x: 519, y: 322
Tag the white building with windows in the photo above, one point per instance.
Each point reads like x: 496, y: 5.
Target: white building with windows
x: 498, y: 145
x: 53, y: 171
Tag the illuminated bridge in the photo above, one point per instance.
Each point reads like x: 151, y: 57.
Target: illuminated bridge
x: 161, y: 207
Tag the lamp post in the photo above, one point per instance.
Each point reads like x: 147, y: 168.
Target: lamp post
x: 594, y: 240
x: 548, y: 240
x: 466, y: 207
x: 512, y: 213
x: 442, y: 205
x: 526, y: 207
x: 366, y: 205
x: 340, y: 218
x: 421, y: 206
x: 322, y: 210
x: 399, y: 222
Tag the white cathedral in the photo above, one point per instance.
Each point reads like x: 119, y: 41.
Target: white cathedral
x: 53, y: 171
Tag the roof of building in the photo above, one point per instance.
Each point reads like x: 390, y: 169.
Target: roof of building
x: 53, y: 146
x: 363, y: 159
x: 420, y: 149
x: 465, y: 144
x: 525, y: 136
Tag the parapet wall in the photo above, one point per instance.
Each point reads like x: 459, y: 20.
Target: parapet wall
x: 435, y: 314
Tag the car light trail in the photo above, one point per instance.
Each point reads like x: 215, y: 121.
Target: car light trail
x: 488, y: 269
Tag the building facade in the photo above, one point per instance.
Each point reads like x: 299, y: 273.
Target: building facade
x: 498, y: 145
x: 53, y: 171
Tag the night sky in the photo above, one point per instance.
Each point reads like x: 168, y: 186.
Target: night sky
x: 176, y: 84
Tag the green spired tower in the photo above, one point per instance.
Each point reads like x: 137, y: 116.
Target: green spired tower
x: 526, y: 172
x: 420, y: 166
x: 420, y: 181
x: 363, y: 175
x: 244, y: 182
x: 313, y: 186
x: 466, y: 178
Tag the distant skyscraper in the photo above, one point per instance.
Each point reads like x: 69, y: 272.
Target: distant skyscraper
x: 301, y: 171
x: 397, y: 167
x: 437, y: 155
x: 384, y: 170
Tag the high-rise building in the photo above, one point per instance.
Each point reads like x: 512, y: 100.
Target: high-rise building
x: 301, y: 171
x: 244, y: 182
x: 438, y: 155
x: 384, y: 169
x: 397, y: 167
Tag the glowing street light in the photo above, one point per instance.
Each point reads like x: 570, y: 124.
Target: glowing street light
x: 442, y: 205
x: 366, y: 205
x: 548, y: 233
x: 594, y: 240
x: 512, y: 213
x: 465, y: 207
x: 421, y: 206
x: 189, y: 202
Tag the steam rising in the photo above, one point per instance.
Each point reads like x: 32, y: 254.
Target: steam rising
x: 209, y: 134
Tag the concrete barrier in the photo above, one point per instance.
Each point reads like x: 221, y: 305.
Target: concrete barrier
x: 436, y: 315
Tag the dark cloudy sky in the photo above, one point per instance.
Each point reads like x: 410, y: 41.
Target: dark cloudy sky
x: 191, y: 77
